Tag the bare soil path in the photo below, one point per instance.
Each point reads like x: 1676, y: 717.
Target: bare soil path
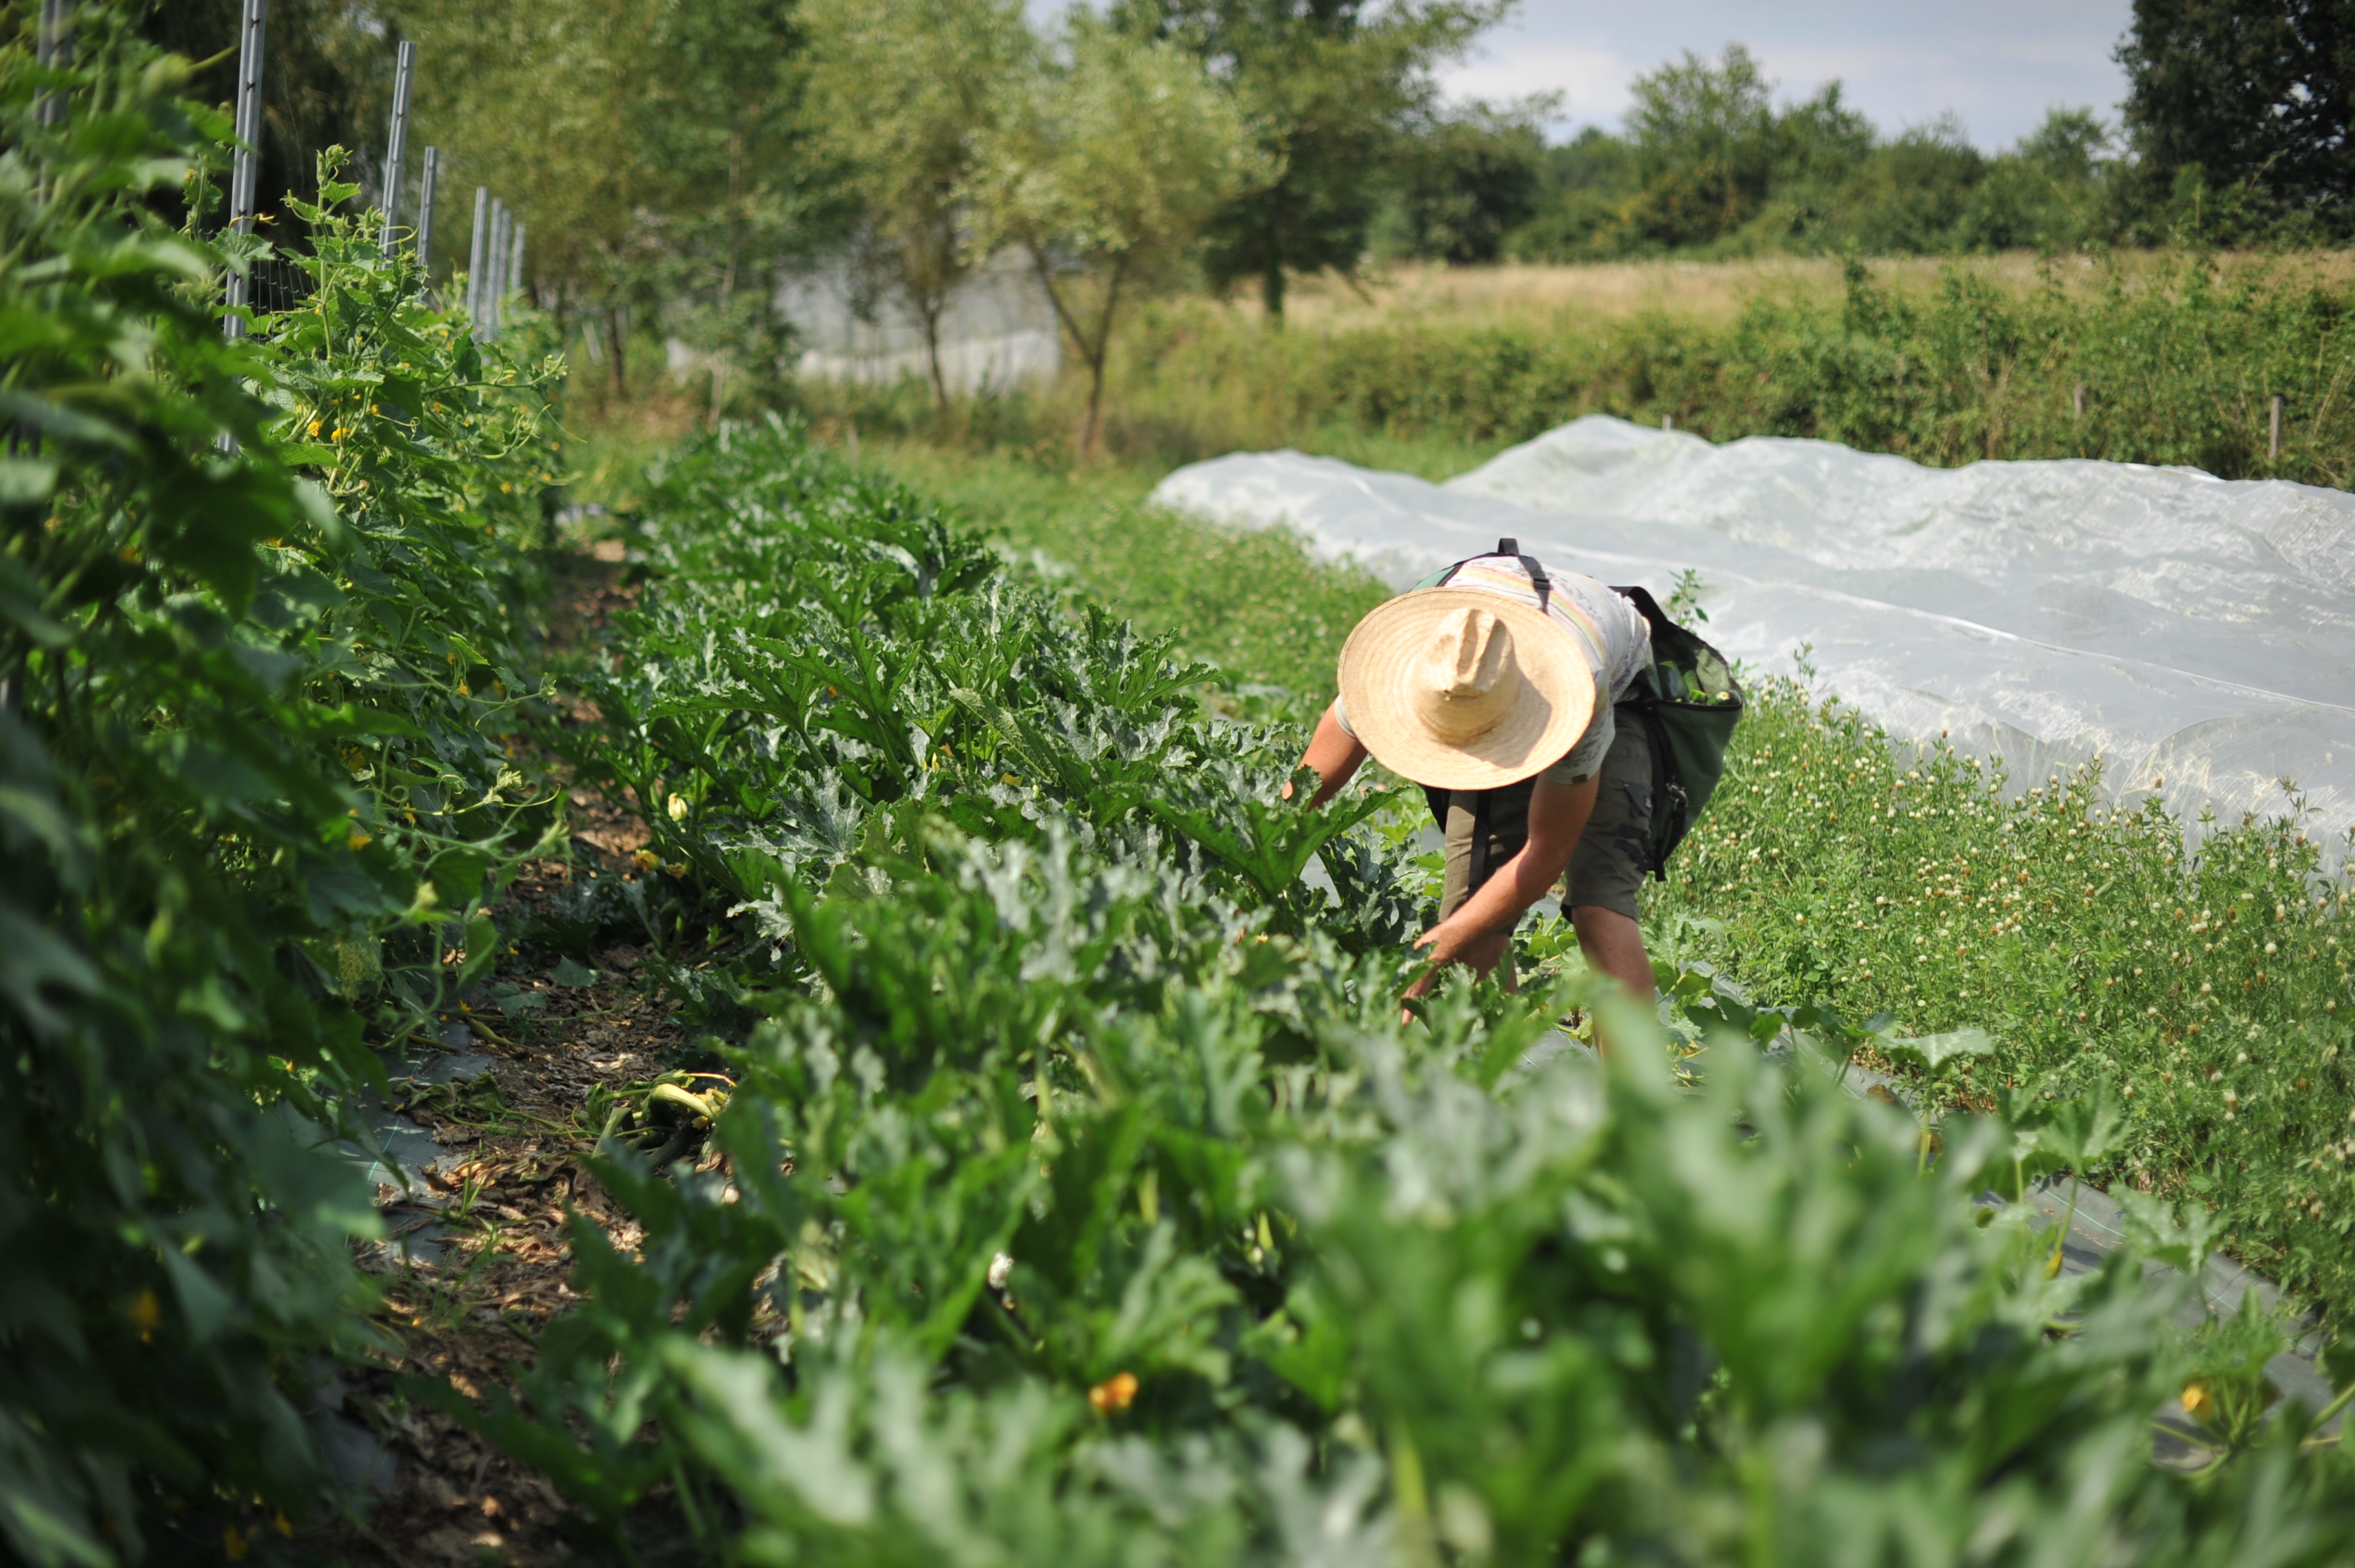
x: 488, y: 1133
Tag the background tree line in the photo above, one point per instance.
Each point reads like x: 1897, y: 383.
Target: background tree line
x: 673, y: 157
x: 2234, y: 131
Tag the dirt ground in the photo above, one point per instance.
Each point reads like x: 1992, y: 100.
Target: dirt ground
x: 477, y: 1262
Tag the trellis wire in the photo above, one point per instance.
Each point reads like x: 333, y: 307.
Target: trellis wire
x: 246, y: 170
x: 397, y: 144
x: 426, y: 182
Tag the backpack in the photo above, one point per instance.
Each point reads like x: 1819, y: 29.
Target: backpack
x: 1688, y: 702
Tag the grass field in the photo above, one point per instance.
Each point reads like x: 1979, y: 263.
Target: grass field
x: 1710, y: 293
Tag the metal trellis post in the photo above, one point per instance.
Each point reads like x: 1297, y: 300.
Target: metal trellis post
x: 480, y: 249
x: 514, y: 259
x: 426, y: 182
x: 395, y: 148
x: 49, y: 108
x: 246, y: 171
x: 494, y: 282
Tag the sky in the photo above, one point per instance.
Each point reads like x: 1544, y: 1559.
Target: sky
x: 1997, y: 64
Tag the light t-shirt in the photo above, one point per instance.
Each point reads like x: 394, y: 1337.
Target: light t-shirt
x: 1605, y: 627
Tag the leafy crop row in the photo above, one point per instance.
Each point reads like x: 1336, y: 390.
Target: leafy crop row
x: 1080, y: 1197
x: 258, y: 636
x: 2207, y: 988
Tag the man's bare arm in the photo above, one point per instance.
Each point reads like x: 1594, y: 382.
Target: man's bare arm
x: 1558, y: 813
x: 1335, y: 755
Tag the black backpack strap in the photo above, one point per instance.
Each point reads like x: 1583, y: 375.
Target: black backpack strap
x: 1529, y: 563
x: 1478, y: 876
x: 1647, y: 606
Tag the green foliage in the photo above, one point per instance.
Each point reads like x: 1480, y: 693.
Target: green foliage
x: 329, y: 84
x: 2178, y: 364
x: 2252, y: 102
x: 1709, y: 165
x: 1468, y: 179
x: 1107, y: 160
x: 833, y: 651
x: 898, y: 94
x: 1704, y: 145
x: 1327, y: 90
x: 2208, y: 992
x: 252, y: 793
x: 1251, y: 603
x: 657, y: 153
x: 1085, y: 1199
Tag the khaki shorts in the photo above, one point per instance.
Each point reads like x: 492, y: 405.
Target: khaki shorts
x: 1607, y: 868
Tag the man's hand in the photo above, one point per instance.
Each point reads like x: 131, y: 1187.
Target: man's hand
x: 1451, y: 945
x: 1453, y: 942
x: 1479, y: 930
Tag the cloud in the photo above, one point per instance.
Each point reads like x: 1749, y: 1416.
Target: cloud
x: 1590, y: 76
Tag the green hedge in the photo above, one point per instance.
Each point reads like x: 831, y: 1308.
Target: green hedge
x: 2178, y: 364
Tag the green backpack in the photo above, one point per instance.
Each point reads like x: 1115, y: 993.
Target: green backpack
x: 1688, y: 703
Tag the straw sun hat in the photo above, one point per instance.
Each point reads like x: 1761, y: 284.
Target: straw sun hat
x: 1462, y: 689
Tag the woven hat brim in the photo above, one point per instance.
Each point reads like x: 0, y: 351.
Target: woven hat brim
x: 1380, y: 665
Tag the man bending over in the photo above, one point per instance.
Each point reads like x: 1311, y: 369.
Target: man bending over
x: 1491, y: 685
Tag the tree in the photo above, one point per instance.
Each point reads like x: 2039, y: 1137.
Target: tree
x: 654, y: 149
x: 1821, y: 141
x: 1469, y: 178
x: 741, y: 195
x: 2249, y: 93
x: 2047, y: 192
x: 1704, y: 137
x: 548, y: 100
x: 900, y: 92
x: 1821, y: 146
x: 1110, y: 157
x: 1587, y: 187
x: 1326, y: 86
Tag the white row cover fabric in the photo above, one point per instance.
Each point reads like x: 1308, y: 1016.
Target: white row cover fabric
x: 2195, y: 635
